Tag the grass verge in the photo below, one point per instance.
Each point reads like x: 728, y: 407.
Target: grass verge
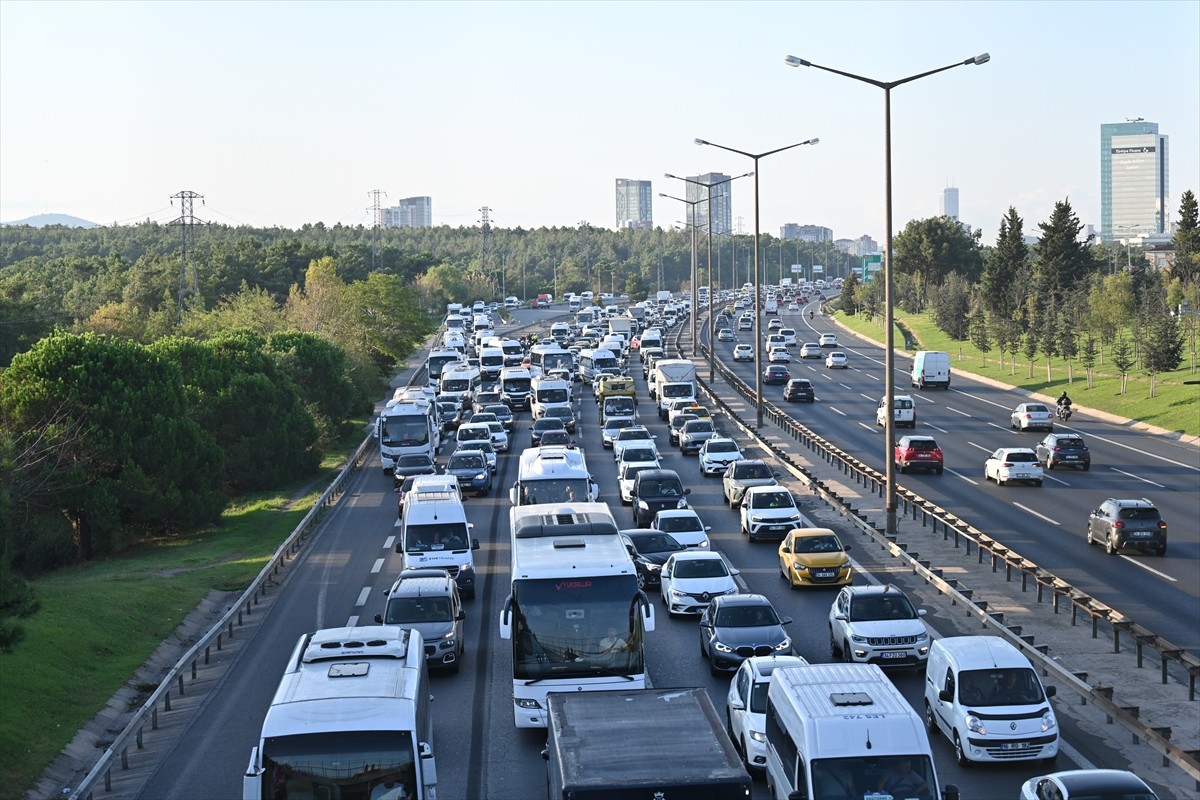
x: 1174, y: 408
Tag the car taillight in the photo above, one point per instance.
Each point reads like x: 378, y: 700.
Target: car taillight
x: 1162, y: 524
x: 1056, y: 448
x: 1118, y: 524
x: 1006, y: 464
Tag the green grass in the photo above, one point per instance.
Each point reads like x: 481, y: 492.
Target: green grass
x: 1175, y: 408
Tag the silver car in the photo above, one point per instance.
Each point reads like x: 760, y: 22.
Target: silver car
x: 741, y: 475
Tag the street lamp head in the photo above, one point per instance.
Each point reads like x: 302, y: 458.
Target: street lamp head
x: 701, y: 141
x: 794, y: 61
x: 669, y: 175
x: 813, y: 141
x: 982, y: 58
x: 749, y: 174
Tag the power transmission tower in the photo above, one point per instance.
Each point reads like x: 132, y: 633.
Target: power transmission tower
x: 584, y: 226
x: 486, y: 244
x: 187, y: 225
x: 376, y: 224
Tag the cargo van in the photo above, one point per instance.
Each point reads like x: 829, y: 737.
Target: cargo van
x: 931, y: 368
x: 845, y: 730
x: 905, y: 411
x: 983, y: 694
x: 434, y: 533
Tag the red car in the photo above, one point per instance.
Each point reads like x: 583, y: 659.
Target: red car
x: 918, y: 452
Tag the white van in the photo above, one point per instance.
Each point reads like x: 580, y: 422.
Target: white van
x: 434, y: 533
x: 985, y: 696
x: 845, y: 730
x: 549, y: 393
x: 906, y: 411
x: 931, y: 368
x: 491, y: 361
x: 459, y: 382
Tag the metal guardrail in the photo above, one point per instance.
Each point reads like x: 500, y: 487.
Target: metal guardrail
x: 1157, y: 737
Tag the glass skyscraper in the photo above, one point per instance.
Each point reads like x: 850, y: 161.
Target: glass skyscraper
x: 635, y: 204
x: 1133, y: 180
x: 722, y: 202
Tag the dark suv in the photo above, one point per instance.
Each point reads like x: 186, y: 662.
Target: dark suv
x: 427, y: 600
x: 1118, y: 524
x: 1064, y: 450
x: 799, y: 390
x: 656, y: 490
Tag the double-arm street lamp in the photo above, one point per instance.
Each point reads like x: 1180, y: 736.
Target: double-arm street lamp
x: 711, y: 288
x: 692, y: 216
x: 757, y: 267
x: 889, y: 354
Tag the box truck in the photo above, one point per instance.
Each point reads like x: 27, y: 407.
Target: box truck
x: 674, y: 379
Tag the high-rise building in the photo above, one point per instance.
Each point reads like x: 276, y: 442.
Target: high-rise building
x: 949, y: 205
x: 722, y: 202
x: 411, y: 212
x: 1133, y: 180
x: 806, y: 233
x: 635, y: 202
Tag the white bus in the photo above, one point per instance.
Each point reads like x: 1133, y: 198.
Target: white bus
x: 405, y: 428
x: 548, y: 356
x: 350, y: 719
x: 552, y: 475
x: 438, y: 359
x: 575, y: 615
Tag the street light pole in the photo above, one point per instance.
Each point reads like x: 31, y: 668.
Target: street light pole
x: 889, y: 314
x: 692, y: 214
x: 711, y: 292
x: 757, y: 266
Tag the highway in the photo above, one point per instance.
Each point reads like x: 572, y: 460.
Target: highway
x: 481, y: 755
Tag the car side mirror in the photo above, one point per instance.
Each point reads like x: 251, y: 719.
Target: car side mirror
x: 461, y: 615
x: 846, y: 548
x: 920, y: 612
x: 379, y: 621
x: 736, y: 704
x: 1051, y: 691
x: 785, y: 621
x: 707, y: 528
x: 840, y: 615
x: 706, y: 624
x: 946, y: 696
x: 474, y: 544
x: 687, y: 491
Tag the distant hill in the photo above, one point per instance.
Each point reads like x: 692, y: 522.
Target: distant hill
x: 42, y: 220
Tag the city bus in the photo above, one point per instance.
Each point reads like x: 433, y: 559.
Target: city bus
x: 575, y: 616
x: 350, y: 719
x: 406, y: 427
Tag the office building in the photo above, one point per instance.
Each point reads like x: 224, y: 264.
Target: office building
x: 864, y: 246
x: 411, y: 212
x: 722, y: 202
x: 806, y: 233
x: 949, y: 205
x: 635, y: 201
x: 1133, y: 180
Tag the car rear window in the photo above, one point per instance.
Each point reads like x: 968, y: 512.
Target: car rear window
x: 1064, y: 442
x: 922, y: 444
x: 1021, y: 457
x: 1139, y: 513
x: 1035, y: 407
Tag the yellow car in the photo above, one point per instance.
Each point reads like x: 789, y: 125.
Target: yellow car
x: 814, y: 557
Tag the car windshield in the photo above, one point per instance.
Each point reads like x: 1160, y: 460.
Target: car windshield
x: 661, y: 488
x: 559, y: 413
x: 752, y: 471
x: 637, y: 454
x: 548, y: 424
x: 867, y: 609
x: 656, y: 543
x: 414, y: 461
x: 701, y: 568
x: 1138, y: 513
x: 698, y: 425
x: 466, y: 461
x: 682, y: 419
x: 617, y: 424
x: 555, y: 437
x: 771, y: 500
x: 417, y: 609
x: 472, y: 434
x: 816, y: 544
x: 1014, y: 686
x: 1036, y: 407
x: 681, y: 524
x: 633, y: 435
x: 746, y: 616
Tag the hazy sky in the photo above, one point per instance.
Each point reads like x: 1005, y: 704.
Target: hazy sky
x: 288, y: 113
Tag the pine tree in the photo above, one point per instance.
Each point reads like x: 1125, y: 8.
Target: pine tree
x: 1186, y: 264
x: 1164, y: 348
x: 1009, y: 259
x: 1031, y: 349
x: 1089, y: 357
x: 980, y: 335
x: 1122, y: 358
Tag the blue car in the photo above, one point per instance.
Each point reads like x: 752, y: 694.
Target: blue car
x: 470, y: 469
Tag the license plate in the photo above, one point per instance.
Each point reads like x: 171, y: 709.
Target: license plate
x: 777, y: 528
x: 1071, y: 458
x: 824, y: 573
x: 1014, y: 746
x: 893, y: 655
x: 1141, y: 534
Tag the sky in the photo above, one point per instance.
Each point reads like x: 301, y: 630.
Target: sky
x: 282, y: 114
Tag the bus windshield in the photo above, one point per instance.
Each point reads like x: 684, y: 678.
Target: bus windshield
x: 576, y: 628
x: 436, y: 363
x: 407, y: 431
x: 339, y: 764
x: 554, y: 490
x: 552, y: 396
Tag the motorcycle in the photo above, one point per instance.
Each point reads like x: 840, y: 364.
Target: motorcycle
x: 1064, y: 413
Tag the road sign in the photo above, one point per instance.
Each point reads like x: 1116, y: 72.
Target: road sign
x: 871, y: 264
x: 818, y: 269
x: 797, y: 269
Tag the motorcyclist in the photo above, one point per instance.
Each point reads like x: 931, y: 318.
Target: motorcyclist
x: 1064, y: 402
x: 810, y: 314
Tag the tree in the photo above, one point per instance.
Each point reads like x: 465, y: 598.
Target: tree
x: 1089, y: 358
x: 1067, y: 344
x: 952, y: 308
x: 848, y: 300
x: 1008, y: 260
x: 1062, y: 261
x: 980, y: 336
x: 1110, y: 305
x: 17, y: 602
x: 935, y: 247
x: 1030, y: 350
x: 1186, y: 263
x: 1164, y: 348
x: 1122, y: 357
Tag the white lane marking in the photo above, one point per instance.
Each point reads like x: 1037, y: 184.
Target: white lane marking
x: 837, y: 410
x: 868, y: 427
x: 388, y: 542
x: 1135, y: 562
x: 867, y: 396
x: 1001, y: 427
x: 1073, y: 754
x: 935, y: 427
x: 826, y: 376
x: 1050, y: 477
x: 1036, y: 514
x: 362, y: 597
x: 981, y: 447
x: 377, y: 566
x: 1138, y: 477
x: 958, y: 474
x: 844, y: 386
x: 956, y: 411
x: 352, y: 621
x: 872, y: 376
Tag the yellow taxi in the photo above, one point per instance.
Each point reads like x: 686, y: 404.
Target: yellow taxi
x: 814, y: 557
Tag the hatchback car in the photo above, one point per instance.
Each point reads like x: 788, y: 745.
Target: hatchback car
x: 742, y: 475
x: 542, y: 425
x: 1137, y: 524
x: 778, y: 354
x: 768, y: 511
x: 450, y: 414
x: 835, y: 360
x: 685, y: 525
x: 1064, y: 450
x: 799, y: 390
x: 655, y: 490
x: 634, y: 435
x: 743, y: 352
x: 918, y: 452
x: 499, y: 434
x: 694, y: 434
x: 1117, y: 784
x: 612, y: 427
x: 814, y: 557
x: 877, y: 625
x: 485, y: 447
x: 556, y: 438
x: 776, y: 374
x: 566, y: 415
x: 1010, y: 464
x: 690, y: 580
x: 484, y: 399
x: 627, y: 475
x: 828, y: 340
x: 726, y: 335
x: 1031, y: 416
x: 649, y: 549
x: 810, y: 350
x: 676, y: 425
x: 739, y: 626
x: 774, y: 325
x: 717, y: 454
x: 746, y: 706
x: 470, y: 469
x: 413, y: 464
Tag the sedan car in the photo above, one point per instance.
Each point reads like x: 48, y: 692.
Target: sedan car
x: 814, y: 557
x: 690, y: 580
x: 740, y: 626
x: 828, y: 340
x: 1064, y: 450
x: 685, y: 525
x: 799, y: 390
x: 562, y: 413
x: 484, y: 446
x: 779, y: 355
x: 499, y: 434
x: 470, y: 469
x: 776, y: 374
x: 410, y: 464
x: 918, y: 452
x: 746, y: 706
x: 1111, y: 784
x: 502, y: 413
x: 744, y: 474
x: 484, y: 399
x: 1009, y: 464
x: 835, y: 360
x: 1118, y: 524
x: 726, y: 335
x: 793, y: 307
x: 1032, y: 416
x: 556, y: 438
x: 542, y: 425
x: 774, y: 325
x: 717, y: 454
x: 743, y: 352
x: 877, y: 625
x: 810, y: 350
x: 634, y: 435
x: 649, y: 550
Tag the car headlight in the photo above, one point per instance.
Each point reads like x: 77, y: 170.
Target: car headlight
x: 854, y: 637
x: 642, y: 504
x: 528, y: 702
x: 449, y: 636
x: 922, y: 636
x: 975, y: 725
x: 784, y: 645
x: 681, y: 504
x: 843, y: 565
x: 482, y: 476
x: 1048, y: 721
x: 653, y: 567
x: 756, y: 518
x: 675, y: 592
x: 758, y: 736
x: 722, y: 648
x: 467, y: 568
x: 799, y: 567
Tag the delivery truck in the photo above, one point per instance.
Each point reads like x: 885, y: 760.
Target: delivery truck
x: 674, y: 379
x: 610, y: 746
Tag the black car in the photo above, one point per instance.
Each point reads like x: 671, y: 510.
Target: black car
x: 649, y: 549
x: 450, y: 414
x: 563, y: 413
x: 542, y: 425
x: 799, y: 390
x: 655, y: 490
x: 413, y: 464
x: 485, y: 398
x: 503, y: 414
x: 555, y: 438
x: 1064, y: 450
x: 735, y: 627
x: 776, y: 374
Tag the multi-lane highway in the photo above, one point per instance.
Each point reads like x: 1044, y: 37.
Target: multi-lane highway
x: 480, y: 754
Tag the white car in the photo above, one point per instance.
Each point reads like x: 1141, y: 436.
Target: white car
x: 810, y: 350
x: 746, y: 706
x: 717, y: 454
x: 726, y: 335
x: 905, y: 414
x: 877, y: 625
x: 828, y: 340
x: 691, y: 579
x: 499, y: 434
x: 774, y: 325
x: 789, y: 336
x: 835, y: 360
x: 775, y: 340
x: 1031, y: 416
x: 743, y: 352
x: 769, y: 511
x: 793, y: 306
x: 633, y: 435
x: 685, y: 525
x: 626, y: 472
x: 1013, y: 464
x: 1078, y: 783
x: 779, y: 355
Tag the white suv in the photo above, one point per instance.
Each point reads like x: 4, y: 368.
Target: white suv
x: 877, y: 625
x: 769, y: 511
